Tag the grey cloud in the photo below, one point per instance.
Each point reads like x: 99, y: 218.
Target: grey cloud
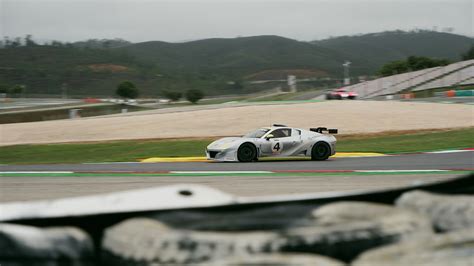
x: 193, y: 19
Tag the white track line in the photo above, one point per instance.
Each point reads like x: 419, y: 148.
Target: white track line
x: 37, y: 172
x: 448, y: 151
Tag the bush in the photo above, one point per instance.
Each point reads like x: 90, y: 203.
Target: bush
x: 194, y: 95
x: 3, y: 88
x: 172, y: 95
x: 127, y: 89
x: 469, y: 54
x: 16, y: 90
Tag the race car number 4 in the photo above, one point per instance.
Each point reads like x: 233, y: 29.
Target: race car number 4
x: 277, y: 147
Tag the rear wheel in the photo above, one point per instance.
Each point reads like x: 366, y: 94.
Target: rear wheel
x: 320, y: 152
x: 247, y: 153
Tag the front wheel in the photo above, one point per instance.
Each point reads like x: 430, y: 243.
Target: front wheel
x: 320, y: 152
x: 247, y: 153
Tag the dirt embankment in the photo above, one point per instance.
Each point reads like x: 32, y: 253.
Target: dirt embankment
x: 350, y: 117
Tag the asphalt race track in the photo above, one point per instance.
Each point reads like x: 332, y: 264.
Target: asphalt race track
x: 284, y: 177
x: 455, y: 160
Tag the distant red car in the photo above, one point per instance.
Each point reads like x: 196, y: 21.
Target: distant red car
x: 341, y: 94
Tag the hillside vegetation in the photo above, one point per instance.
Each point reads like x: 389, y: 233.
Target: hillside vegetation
x: 370, y: 51
x: 236, y: 57
x: 95, y: 67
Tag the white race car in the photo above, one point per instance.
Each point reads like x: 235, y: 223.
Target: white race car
x: 275, y: 141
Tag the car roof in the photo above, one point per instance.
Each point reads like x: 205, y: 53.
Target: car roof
x: 276, y: 127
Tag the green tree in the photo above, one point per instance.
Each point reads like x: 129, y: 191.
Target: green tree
x: 16, y: 42
x: 469, y: 54
x: 194, y: 95
x: 412, y: 63
x: 29, y: 41
x: 237, y: 85
x: 393, y: 68
x: 3, y: 88
x: 56, y: 43
x: 172, y: 95
x: 6, y: 42
x: 127, y: 89
x: 17, y: 90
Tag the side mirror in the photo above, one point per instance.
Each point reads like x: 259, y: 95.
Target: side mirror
x: 269, y: 136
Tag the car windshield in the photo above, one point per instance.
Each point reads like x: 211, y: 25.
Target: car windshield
x: 257, y: 133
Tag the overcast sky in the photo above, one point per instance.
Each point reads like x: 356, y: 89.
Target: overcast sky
x: 182, y: 20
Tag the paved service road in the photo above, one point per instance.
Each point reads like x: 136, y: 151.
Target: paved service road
x: 36, y: 188
x: 457, y: 160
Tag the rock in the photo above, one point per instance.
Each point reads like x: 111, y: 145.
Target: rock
x: 348, y: 212
x: 19, y: 243
x: 453, y: 248
x: 280, y: 259
x: 340, y: 230
x: 238, y: 220
x: 149, y: 241
x: 344, y: 230
x: 447, y: 212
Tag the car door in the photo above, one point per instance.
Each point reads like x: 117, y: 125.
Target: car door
x: 283, y: 142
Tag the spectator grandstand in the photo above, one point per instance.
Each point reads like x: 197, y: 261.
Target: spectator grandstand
x: 460, y: 73
x: 468, y: 81
x: 454, y: 78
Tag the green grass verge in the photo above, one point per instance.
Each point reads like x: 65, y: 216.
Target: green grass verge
x: 120, y: 151
x: 410, y: 142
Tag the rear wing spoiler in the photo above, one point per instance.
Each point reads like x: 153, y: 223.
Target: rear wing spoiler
x: 323, y: 129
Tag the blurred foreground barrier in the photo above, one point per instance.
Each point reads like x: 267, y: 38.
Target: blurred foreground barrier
x: 196, y: 225
x: 447, y: 212
x: 340, y: 230
x: 456, y: 248
x: 91, y: 100
x: 28, y: 245
x: 408, y: 96
x: 280, y: 259
x: 450, y: 93
x: 460, y: 93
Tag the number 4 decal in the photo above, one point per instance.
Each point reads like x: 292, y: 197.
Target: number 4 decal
x: 276, y: 148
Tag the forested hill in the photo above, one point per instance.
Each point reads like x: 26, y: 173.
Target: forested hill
x: 94, y: 67
x: 377, y: 49
x: 245, y: 55
x: 237, y: 56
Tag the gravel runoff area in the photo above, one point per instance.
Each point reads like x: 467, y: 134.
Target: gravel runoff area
x: 348, y: 116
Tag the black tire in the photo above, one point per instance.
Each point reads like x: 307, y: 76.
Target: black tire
x: 352, y: 97
x: 247, y: 153
x: 320, y: 151
x: 328, y: 97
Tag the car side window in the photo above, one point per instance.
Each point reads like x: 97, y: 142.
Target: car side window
x: 281, y: 133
